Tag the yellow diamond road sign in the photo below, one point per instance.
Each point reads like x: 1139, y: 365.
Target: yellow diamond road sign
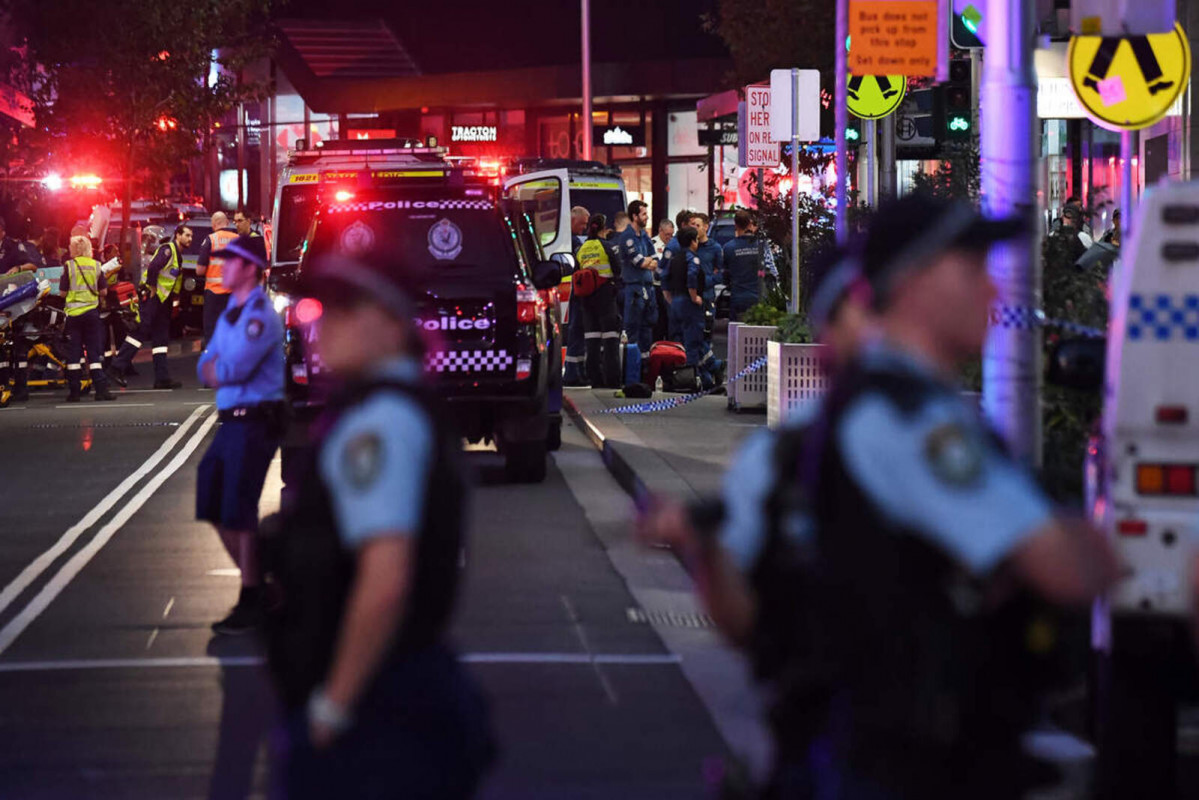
x: 875, y: 96
x: 1129, y: 82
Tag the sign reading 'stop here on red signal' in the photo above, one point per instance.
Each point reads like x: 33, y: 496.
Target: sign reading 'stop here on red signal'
x: 761, y: 149
x: 893, y: 37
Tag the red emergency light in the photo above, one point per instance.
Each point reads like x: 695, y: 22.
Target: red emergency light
x: 86, y: 181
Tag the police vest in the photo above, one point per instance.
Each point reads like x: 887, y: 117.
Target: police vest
x: 676, y: 281
x: 169, y: 276
x: 593, y: 255
x: 935, y: 682
x: 83, y: 293
x: 314, y: 571
x: 213, y: 278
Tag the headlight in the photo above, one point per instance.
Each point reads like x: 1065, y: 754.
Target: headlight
x: 281, y: 302
x: 189, y: 284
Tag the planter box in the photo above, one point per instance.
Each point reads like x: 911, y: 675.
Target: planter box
x: 793, y: 377
x: 747, y: 343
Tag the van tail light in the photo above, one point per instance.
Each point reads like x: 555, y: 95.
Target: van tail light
x: 299, y: 374
x: 526, y: 305
x: 524, y: 368
x: 1171, y: 415
x: 564, y: 292
x: 1169, y: 480
x: 1132, y: 527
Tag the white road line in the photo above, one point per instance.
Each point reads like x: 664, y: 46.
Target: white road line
x: 144, y: 391
x: 80, y: 560
x: 167, y: 610
x: 13, y: 408
x: 632, y: 659
x: 106, y: 406
x: 225, y: 573
x: 43, y: 562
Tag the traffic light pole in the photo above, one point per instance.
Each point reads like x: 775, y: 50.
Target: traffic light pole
x: 841, y: 118
x: 1011, y: 357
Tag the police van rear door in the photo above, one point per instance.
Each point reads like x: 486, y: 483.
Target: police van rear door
x: 545, y: 197
x: 1151, y: 418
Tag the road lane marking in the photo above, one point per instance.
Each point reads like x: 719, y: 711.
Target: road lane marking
x: 167, y: 610
x: 604, y: 683
x: 75, y: 565
x: 43, y: 562
x: 575, y: 659
x: 225, y: 573
x: 144, y: 391
x: 107, y: 405
x: 153, y: 636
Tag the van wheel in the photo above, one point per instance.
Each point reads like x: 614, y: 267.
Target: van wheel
x: 553, y: 439
x: 525, y: 462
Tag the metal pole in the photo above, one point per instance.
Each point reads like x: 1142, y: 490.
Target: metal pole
x: 793, y: 305
x: 587, y: 126
x: 1011, y: 374
x: 886, y: 161
x: 841, y: 117
x: 1126, y: 153
x: 871, y: 164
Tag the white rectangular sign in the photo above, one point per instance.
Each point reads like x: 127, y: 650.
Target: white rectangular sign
x: 1121, y: 17
x: 783, y: 105
x: 760, y: 149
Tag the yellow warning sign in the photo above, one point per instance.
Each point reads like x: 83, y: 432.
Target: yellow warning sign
x: 1129, y: 82
x: 875, y: 96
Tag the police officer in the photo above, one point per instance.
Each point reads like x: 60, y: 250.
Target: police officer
x: 601, y: 319
x: 687, y: 287
x: 938, y: 556
x: 160, y: 282
x: 84, y: 288
x: 377, y: 704
x: 673, y: 248
x: 742, y: 266
x: 216, y: 294
x: 244, y: 362
x: 575, y: 374
x: 640, y: 304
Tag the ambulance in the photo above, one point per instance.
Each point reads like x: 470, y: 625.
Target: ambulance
x: 548, y: 189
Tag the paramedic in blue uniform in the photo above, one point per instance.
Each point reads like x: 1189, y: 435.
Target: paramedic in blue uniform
x: 673, y: 249
x: 160, y: 282
x: 711, y: 256
x: 378, y: 705
x: 244, y: 362
x: 743, y: 266
x: 687, y: 287
x: 942, y: 565
x: 576, y: 344
x: 640, y: 303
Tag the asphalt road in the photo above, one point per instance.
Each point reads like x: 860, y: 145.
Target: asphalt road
x: 113, y: 686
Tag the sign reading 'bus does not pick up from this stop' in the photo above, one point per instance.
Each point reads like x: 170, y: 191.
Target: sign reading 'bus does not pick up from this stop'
x: 894, y: 37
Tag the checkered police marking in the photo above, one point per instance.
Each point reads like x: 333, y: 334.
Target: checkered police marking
x: 1160, y: 317
x: 468, y: 361
x: 1024, y: 318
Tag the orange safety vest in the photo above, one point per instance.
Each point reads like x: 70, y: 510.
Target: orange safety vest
x: 213, y: 278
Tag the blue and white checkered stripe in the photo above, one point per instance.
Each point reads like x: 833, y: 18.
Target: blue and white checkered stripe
x: 468, y: 361
x: 683, y: 399
x: 1161, y: 317
x: 1025, y: 319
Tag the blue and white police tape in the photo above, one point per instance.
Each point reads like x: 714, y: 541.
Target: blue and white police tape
x: 683, y: 399
x: 1024, y: 318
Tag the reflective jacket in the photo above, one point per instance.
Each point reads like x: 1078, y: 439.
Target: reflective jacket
x: 83, y: 294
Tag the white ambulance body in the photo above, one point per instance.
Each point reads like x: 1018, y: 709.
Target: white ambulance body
x: 549, y: 188
x: 1148, y: 498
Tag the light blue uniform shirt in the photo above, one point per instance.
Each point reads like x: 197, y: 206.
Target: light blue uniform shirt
x: 248, y: 347
x: 711, y: 255
x: 635, y: 248
x: 375, y: 462
x: 937, y: 472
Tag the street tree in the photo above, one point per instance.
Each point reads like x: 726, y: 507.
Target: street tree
x: 762, y: 35
x: 138, y: 85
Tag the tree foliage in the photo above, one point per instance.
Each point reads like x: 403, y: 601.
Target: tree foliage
x: 762, y: 35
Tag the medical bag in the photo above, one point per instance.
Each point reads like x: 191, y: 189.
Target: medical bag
x: 663, y: 359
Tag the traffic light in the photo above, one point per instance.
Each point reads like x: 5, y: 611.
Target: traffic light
x: 966, y: 23
x: 957, y: 104
x: 853, y: 132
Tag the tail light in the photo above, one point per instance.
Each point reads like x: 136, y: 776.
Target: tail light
x: 1171, y: 415
x: 1170, y: 480
x: 526, y: 304
x: 308, y: 310
x: 1132, y: 527
x: 524, y: 368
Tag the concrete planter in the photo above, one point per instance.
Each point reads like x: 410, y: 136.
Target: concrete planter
x: 793, y: 377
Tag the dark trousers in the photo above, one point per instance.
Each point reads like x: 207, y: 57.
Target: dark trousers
x: 640, y: 314
x: 14, y: 364
x: 601, y: 324
x: 661, y: 330
x: 699, y: 354
x: 214, y: 305
x: 576, y: 345
x: 155, y: 326
x: 739, y: 304
x: 85, y: 332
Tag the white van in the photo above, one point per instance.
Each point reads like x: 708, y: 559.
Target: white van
x: 547, y: 189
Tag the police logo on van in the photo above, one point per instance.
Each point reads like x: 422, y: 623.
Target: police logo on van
x: 445, y: 240
x: 357, y: 238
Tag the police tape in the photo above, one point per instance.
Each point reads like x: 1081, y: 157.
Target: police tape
x: 683, y: 399
x: 1025, y: 318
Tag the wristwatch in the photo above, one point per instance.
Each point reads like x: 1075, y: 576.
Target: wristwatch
x: 326, y: 712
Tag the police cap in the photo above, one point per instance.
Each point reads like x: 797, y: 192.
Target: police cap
x: 911, y: 232
x: 836, y: 274
x: 341, y: 280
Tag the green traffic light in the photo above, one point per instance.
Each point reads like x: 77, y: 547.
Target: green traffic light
x: 970, y: 26
x: 959, y: 124
x: 852, y: 135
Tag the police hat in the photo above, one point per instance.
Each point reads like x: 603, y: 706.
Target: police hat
x: 913, y: 231
x: 836, y: 271
x: 247, y: 248
x: 340, y: 280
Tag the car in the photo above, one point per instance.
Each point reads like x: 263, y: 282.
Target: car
x: 494, y: 347
x: 722, y: 231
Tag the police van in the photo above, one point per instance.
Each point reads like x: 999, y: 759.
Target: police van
x: 494, y: 346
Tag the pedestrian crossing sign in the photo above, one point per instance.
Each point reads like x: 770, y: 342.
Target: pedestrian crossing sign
x: 875, y: 96
x: 1129, y: 82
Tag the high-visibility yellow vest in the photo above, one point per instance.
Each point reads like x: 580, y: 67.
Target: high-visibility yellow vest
x: 169, y: 277
x: 83, y: 292
x: 592, y: 255
x: 214, y: 277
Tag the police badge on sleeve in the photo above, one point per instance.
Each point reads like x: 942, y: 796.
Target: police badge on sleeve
x: 954, y: 456
x: 362, y: 460
x: 254, y: 328
x: 445, y: 240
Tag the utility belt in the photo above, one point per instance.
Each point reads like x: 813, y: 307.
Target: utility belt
x: 273, y: 413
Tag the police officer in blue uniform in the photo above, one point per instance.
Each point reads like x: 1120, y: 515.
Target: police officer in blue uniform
x: 161, y: 284
x: 377, y: 703
x: 244, y: 362
x: 743, y: 266
x: 939, y: 559
x: 687, y: 286
x: 640, y: 303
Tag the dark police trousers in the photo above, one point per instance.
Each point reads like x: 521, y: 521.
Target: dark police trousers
x: 15, y: 364
x: 214, y: 305
x: 155, y: 326
x: 601, y: 321
x: 576, y: 344
x: 85, y: 332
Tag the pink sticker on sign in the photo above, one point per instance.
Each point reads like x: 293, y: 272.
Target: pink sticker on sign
x: 1111, y: 91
